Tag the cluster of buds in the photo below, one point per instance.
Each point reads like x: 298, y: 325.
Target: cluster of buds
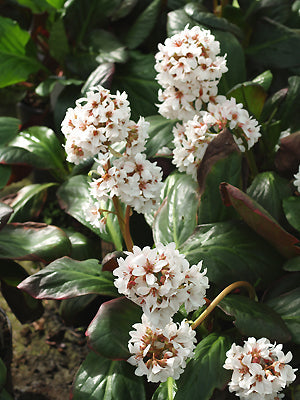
x: 260, y: 370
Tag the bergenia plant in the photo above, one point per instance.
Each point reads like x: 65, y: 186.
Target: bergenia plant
x: 164, y: 330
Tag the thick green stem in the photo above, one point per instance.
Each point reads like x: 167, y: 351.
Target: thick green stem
x: 123, y: 222
x: 220, y: 297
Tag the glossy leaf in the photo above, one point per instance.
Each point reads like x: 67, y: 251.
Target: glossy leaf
x: 33, y: 241
x: 5, y: 173
x: 231, y: 252
x: 103, y: 379
x: 269, y: 189
x: 15, y: 64
x: 5, y: 213
x: 268, y: 323
x: 106, y: 47
x: 74, y: 197
x: 226, y: 169
x: 174, y: 221
x: 143, y: 25
x: 38, y: 146
x: 28, y: 202
x: 288, y: 306
x: 65, y: 278
x: 102, y: 75
x: 205, y: 370
x: 108, y: 333
x: 83, y: 247
x: 137, y: 79
x: 78, y: 311
x: 251, y: 95
x: 160, y: 134
x: 124, y: 9
x: 291, y: 208
x: 264, y: 79
x: 260, y: 220
x: 9, y: 128
x: 47, y: 86
x: 292, y: 265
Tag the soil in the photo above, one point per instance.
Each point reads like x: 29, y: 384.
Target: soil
x: 46, y: 355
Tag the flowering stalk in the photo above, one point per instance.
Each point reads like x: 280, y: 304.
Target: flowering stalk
x: 123, y: 222
x: 220, y: 297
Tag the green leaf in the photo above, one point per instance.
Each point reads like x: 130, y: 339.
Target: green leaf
x: 268, y: 323
x: 74, y: 197
x: 269, y: 189
x: 264, y: 79
x: 83, y: 247
x: 4, y: 395
x: 211, y: 207
x: 174, y: 221
x: 5, y: 213
x: 143, y: 25
x: 9, y: 128
x: 106, y: 47
x: 102, y: 75
x: 288, y: 306
x: 205, y: 370
x: 56, y: 3
x: 232, y: 252
x: 29, y: 201
x: 260, y: 220
x: 2, y: 374
x: 15, y: 64
x: 65, y: 278
x: 78, y: 311
x: 108, y: 333
x: 288, y: 111
x: 160, y: 134
x: 251, y: 95
x: 33, y: 241
x: 37, y: 146
x: 36, y: 6
x: 46, y: 87
x: 166, y: 390
x: 124, y: 9
x: 5, y: 173
x: 102, y: 379
x: 137, y: 79
x: 58, y: 41
x: 292, y: 264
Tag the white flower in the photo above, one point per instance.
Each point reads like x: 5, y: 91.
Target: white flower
x: 160, y: 353
x: 136, y: 136
x: 297, y: 180
x: 260, y: 369
x: 94, y: 215
x: 98, y: 120
x: 160, y: 280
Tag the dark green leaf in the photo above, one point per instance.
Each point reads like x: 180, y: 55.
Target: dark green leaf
x: 143, y: 25
x: 137, y: 79
x: 260, y: 220
x: 65, y: 278
x: 36, y: 6
x: 5, y: 173
x: 58, y: 41
x: 5, y: 213
x: 288, y: 306
x: 106, y: 47
x: 288, y: 111
x: 232, y: 252
x: 251, y: 95
x: 211, y: 207
x: 102, y: 75
x: 9, y: 128
x: 160, y: 134
x: 15, y: 65
x: 4, y: 395
x: 165, y: 391
x: 46, y: 87
x: 205, y: 371
x: 74, y: 197
x: 269, y: 189
x: 177, y: 20
x: 292, y: 264
x: 56, y: 3
x: 124, y: 9
x: 264, y: 79
x: 28, y: 202
x: 83, y: 247
x: 33, y: 241
x: 108, y: 333
x: 102, y: 379
x: 78, y: 311
x: 268, y: 323
x: 174, y: 221
x: 2, y: 374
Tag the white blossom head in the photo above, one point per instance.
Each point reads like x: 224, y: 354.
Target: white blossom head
x: 98, y: 120
x: 160, y: 353
x: 297, y: 180
x: 160, y: 280
x: 260, y: 369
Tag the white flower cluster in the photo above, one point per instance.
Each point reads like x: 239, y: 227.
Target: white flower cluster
x: 189, y: 70
x: 260, y: 370
x: 192, y: 137
x: 97, y: 123
x: 160, y: 280
x: 297, y: 180
x: 160, y: 352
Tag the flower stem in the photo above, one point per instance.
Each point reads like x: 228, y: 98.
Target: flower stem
x: 123, y: 222
x: 251, y: 163
x: 220, y: 297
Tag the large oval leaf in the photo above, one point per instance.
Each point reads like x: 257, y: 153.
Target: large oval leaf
x: 33, y: 241
x: 74, y: 197
x: 231, y: 252
x: 65, y: 278
x: 174, y: 221
x: 108, y: 333
x: 205, y: 371
x: 160, y: 134
x: 5, y: 213
x: 267, y: 322
x: 291, y: 208
x: 83, y: 247
x: 8, y: 129
x: 102, y: 379
x: 260, y: 220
